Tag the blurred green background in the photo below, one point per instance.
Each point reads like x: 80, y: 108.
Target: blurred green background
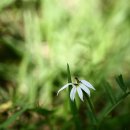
x: 39, y: 37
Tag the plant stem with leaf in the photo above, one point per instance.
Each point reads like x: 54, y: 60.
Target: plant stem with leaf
x: 73, y: 105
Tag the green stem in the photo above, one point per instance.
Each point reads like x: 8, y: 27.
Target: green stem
x: 91, y: 107
x: 73, y: 106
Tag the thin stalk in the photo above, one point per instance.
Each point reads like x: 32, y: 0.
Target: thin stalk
x: 91, y: 107
x: 73, y: 106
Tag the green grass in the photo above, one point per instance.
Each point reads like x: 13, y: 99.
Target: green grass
x: 38, y: 38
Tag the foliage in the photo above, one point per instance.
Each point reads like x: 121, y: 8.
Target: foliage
x: 38, y: 38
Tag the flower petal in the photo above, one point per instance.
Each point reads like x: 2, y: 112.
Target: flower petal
x: 83, y: 87
x: 65, y: 86
x: 80, y: 93
x: 72, y: 93
x: 86, y: 83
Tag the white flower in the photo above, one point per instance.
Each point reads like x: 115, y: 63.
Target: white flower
x: 81, y: 85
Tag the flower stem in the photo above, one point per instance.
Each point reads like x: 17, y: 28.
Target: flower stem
x: 73, y: 106
x: 91, y: 107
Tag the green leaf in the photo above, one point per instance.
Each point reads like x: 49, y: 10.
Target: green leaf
x: 69, y: 74
x: 118, y: 102
x: 109, y: 92
x: 121, y: 83
x: 112, y: 107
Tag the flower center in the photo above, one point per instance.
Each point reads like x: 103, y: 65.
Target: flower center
x: 76, y: 84
x: 77, y: 80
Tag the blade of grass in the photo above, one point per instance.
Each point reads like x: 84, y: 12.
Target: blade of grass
x: 109, y: 92
x: 110, y: 109
x: 121, y: 83
x: 118, y: 102
x: 11, y: 119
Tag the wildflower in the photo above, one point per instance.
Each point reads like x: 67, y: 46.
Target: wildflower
x: 80, y: 86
